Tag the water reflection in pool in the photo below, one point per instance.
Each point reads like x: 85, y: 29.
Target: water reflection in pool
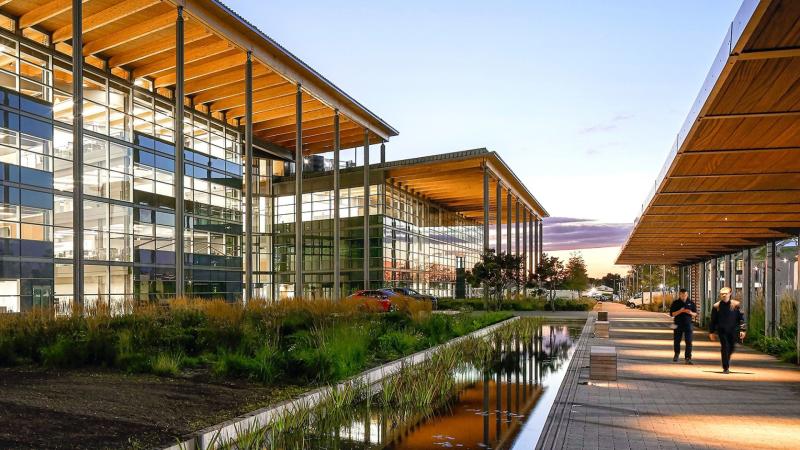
x: 499, y: 408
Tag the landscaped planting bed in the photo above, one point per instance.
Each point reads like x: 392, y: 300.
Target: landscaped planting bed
x: 126, y: 373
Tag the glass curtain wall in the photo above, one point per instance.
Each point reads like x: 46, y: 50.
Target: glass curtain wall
x: 412, y: 242
x: 318, y: 241
x: 129, y: 187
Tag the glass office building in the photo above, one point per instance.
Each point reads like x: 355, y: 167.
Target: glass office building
x: 164, y: 162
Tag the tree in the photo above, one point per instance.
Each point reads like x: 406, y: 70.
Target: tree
x: 549, y: 276
x: 496, y: 272
x: 577, y: 278
x: 612, y: 280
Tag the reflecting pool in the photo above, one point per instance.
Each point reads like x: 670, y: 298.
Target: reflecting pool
x: 501, y: 405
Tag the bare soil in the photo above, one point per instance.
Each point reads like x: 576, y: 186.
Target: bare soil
x: 80, y: 409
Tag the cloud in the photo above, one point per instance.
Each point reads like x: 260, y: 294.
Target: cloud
x: 609, y: 125
x: 565, y: 233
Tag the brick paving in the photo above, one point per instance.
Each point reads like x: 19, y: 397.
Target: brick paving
x: 658, y: 404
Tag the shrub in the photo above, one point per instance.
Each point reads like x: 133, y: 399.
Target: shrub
x: 395, y: 344
x: 66, y: 351
x: 166, y: 364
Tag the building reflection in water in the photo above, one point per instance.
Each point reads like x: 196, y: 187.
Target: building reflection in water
x: 489, y: 411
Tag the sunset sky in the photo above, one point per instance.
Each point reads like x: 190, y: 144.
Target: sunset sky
x: 582, y: 99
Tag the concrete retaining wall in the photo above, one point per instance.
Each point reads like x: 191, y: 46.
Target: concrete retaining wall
x: 261, y: 418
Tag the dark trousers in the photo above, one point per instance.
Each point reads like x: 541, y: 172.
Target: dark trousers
x: 727, y: 342
x: 683, y: 331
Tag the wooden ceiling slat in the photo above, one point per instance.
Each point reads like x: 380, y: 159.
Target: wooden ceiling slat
x: 194, y: 52
x: 104, y: 17
x: 223, y: 77
x: 286, y: 116
x: 157, y: 46
x: 137, y: 32
x: 44, y: 12
x: 261, y: 102
x: 232, y: 95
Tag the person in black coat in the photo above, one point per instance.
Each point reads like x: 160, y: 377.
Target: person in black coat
x: 727, y: 325
x: 683, y: 311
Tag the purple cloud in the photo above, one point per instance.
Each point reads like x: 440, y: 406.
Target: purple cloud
x: 565, y: 233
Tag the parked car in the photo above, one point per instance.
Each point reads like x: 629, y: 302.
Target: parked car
x: 408, y: 292
x: 382, y: 297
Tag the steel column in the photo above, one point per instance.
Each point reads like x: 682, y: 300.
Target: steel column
x: 541, y: 240
x: 747, y: 277
x: 729, y: 274
x: 508, y: 221
x: 516, y: 229
x: 383, y: 152
x: 298, y: 195
x: 770, y: 300
x: 531, y: 240
x: 337, y: 282
x: 77, y: 150
x: 180, y: 278
x: 249, y: 179
x: 366, y: 209
x: 525, y: 253
x: 499, y: 213
x: 485, y: 227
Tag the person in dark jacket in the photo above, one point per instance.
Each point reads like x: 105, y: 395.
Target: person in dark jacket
x: 727, y: 325
x: 683, y: 311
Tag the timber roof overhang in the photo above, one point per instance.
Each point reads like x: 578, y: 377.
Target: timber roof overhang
x: 455, y: 181
x: 137, y: 37
x: 732, y: 178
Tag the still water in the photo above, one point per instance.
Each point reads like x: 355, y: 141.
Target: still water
x: 501, y: 408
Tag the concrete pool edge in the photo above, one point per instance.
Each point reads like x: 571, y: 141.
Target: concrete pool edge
x: 229, y: 430
x: 553, y: 430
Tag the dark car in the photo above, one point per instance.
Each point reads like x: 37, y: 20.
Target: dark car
x: 408, y: 292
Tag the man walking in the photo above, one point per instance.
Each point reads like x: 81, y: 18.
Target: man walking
x: 683, y: 311
x: 727, y: 325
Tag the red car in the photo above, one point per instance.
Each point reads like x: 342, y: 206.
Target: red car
x: 382, y: 297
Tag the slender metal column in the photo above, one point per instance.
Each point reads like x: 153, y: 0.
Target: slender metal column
x: 541, y: 240
x: 337, y: 282
x: 516, y: 229
x: 499, y: 213
x: 525, y: 252
x: 485, y: 226
x: 535, y: 242
x: 770, y: 300
x: 747, y: 278
x: 366, y: 208
x: 298, y: 195
x: 180, y: 278
x: 531, y: 254
x: 508, y: 221
x: 249, y: 178
x: 383, y: 152
x: 729, y: 274
x: 77, y: 150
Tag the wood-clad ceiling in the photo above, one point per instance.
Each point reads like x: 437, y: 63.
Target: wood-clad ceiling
x: 139, y: 37
x: 735, y: 180
x: 455, y: 180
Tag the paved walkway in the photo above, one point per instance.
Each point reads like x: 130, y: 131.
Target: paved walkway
x: 658, y: 404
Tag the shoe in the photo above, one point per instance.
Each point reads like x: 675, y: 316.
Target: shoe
x: 689, y: 362
x: 675, y: 359
x: 726, y: 371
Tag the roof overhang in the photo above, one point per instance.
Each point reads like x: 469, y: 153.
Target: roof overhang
x: 455, y: 181
x: 732, y: 178
x: 136, y: 39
